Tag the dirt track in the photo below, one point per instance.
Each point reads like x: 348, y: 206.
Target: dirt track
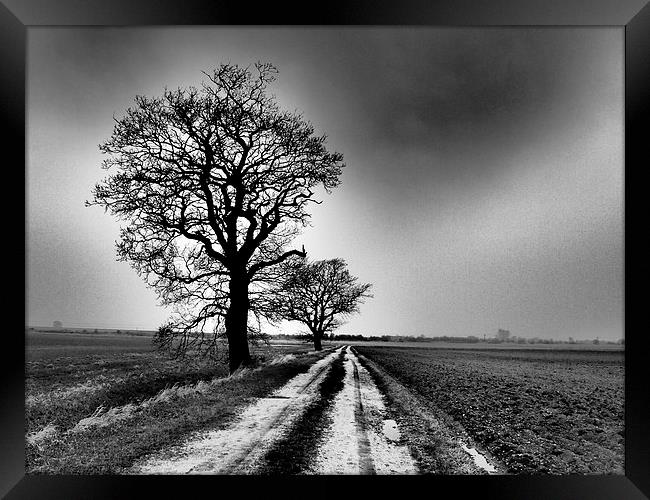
x: 356, y: 442
x: 360, y: 440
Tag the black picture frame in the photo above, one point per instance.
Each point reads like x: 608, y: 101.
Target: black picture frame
x: 632, y: 16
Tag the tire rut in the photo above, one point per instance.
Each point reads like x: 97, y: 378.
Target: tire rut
x: 250, y: 456
x: 232, y: 450
x: 352, y: 443
x: 366, y: 463
x: 355, y: 442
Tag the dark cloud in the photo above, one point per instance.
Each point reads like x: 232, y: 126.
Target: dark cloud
x: 451, y: 78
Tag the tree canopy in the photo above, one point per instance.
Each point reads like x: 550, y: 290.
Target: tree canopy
x: 318, y: 294
x: 213, y: 183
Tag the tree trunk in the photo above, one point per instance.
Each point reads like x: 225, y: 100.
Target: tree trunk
x: 317, y: 341
x: 237, y: 324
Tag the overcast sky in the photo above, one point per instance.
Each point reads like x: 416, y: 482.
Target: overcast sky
x: 483, y: 186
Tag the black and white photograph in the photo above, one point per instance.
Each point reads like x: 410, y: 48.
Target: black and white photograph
x: 325, y: 250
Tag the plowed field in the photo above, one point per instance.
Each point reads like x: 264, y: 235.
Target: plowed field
x: 539, y: 412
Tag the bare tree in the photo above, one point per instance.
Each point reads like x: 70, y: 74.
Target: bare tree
x: 318, y: 294
x: 213, y: 184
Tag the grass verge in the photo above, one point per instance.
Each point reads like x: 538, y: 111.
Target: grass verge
x: 115, y: 447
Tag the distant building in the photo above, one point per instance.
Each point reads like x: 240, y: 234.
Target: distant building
x: 57, y: 324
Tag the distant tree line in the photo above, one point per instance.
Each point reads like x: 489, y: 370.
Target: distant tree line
x: 471, y: 339
x: 381, y: 338
x: 409, y: 338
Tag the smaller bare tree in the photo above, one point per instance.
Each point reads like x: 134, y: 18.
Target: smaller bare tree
x: 318, y: 294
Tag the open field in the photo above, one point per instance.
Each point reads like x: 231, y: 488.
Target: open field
x: 46, y: 345
x: 537, y: 411
x: 51, y: 344
x: 104, y: 403
x: 491, y: 346
x: 109, y: 404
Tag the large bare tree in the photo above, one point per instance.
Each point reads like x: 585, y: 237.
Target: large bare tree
x: 318, y: 294
x: 213, y: 183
